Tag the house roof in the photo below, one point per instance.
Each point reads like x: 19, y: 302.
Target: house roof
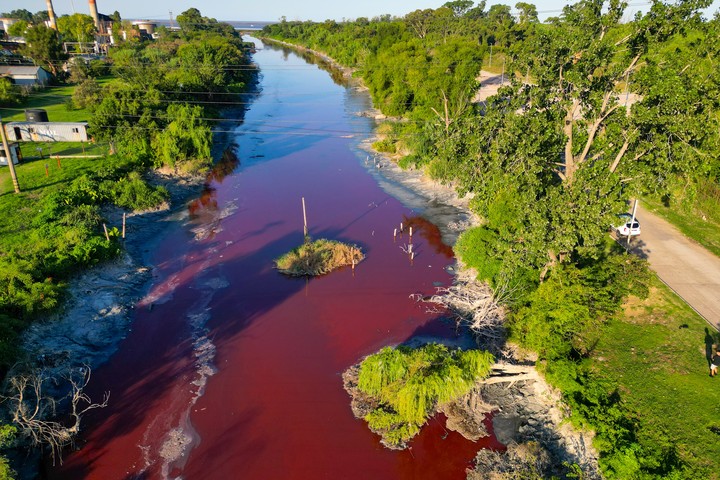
x: 20, y: 70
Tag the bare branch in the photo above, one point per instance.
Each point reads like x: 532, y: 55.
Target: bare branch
x: 474, y: 304
x: 34, y: 412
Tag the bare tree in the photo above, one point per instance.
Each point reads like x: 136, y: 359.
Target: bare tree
x: 475, y: 304
x: 36, y: 413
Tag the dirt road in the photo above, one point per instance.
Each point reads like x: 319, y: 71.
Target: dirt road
x: 690, y: 270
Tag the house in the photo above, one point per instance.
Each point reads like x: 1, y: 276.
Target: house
x: 6, y: 23
x: 46, y: 131
x: 26, y: 75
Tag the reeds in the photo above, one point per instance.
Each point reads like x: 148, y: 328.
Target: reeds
x: 318, y: 257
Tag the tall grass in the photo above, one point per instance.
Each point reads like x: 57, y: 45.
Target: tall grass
x: 318, y: 257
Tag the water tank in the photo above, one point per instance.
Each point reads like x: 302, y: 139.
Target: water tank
x: 36, y: 115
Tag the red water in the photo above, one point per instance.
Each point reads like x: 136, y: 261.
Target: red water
x: 270, y: 403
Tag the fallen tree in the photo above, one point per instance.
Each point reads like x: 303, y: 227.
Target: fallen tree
x: 473, y: 304
x: 35, y: 412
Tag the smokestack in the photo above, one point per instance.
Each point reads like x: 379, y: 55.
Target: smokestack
x: 94, y: 14
x: 51, y: 15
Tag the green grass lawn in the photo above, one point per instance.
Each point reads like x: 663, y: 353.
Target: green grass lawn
x: 702, y: 224
x: 657, y: 354
x: 51, y: 99
x: 30, y: 150
x: 19, y: 209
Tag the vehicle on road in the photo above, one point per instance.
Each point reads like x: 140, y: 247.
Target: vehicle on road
x: 626, y: 226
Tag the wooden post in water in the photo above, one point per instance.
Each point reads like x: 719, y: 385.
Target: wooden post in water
x: 305, y: 229
x: 107, y: 237
x: 123, y: 230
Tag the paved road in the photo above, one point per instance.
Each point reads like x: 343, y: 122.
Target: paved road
x: 689, y: 269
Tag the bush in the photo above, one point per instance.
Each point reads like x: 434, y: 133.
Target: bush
x: 134, y: 193
x: 474, y: 247
x: 86, y: 94
x: 384, y: 146
x: 409, y: 383
x: 318, y: 257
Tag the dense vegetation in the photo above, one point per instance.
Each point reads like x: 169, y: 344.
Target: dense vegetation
x: 550, y: 160
x: 407, y: 384
x: 142, y: 102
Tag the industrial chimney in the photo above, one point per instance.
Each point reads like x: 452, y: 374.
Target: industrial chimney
x: 51, y: 15
x: 94, y: 15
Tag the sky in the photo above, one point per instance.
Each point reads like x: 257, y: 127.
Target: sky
x: 272, y: 10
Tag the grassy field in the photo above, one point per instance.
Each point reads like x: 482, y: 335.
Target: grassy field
x: 19, y: 209
x: 51, y: 99
x: 702, y: 224
x: 657, y: 354
x: 30, y: 150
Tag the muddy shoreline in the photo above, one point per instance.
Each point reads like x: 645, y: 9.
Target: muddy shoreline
x: 98, y: 310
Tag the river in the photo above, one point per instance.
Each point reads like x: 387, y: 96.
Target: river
x: 231, y: 369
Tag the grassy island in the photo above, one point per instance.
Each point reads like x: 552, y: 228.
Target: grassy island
x: 397, y: 389
x: 318, y: 258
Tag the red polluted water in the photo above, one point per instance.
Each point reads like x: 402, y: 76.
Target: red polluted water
x: 232, y: 370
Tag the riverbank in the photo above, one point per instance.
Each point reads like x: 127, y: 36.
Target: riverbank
x: 528, y: 415
x: 98, y: 311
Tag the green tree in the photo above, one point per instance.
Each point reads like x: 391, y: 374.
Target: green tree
x: 43, y: 46
x: 87, y: 94
x: 420, y: 21
x: 191, y: 20
x: 9, y: 94
x: 459, y: 7
x: 185, y: 141
x: 20, y: 14
x: 527, y: 12
x: 41, y: 16
x: 206, y: 64
x: 18, y: 28
x: 77, y: 27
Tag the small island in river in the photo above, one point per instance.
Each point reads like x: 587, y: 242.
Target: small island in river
x: 318, y: 257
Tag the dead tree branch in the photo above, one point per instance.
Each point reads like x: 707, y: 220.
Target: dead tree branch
x: 473, y: 304
x: 36, y: 413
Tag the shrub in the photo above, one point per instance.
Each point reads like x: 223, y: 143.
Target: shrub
x: 318, y: 257
x: 384, y: 146
x: 474, y: 247
x: 134, y: 193
x: 86, y: 94
x: 408, y: 384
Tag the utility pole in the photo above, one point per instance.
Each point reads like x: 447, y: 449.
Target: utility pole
x: 51, y: 15
x: 10, y: 163
x: 632, y: 222
x: 627, y: 88
x: 490, y: 65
